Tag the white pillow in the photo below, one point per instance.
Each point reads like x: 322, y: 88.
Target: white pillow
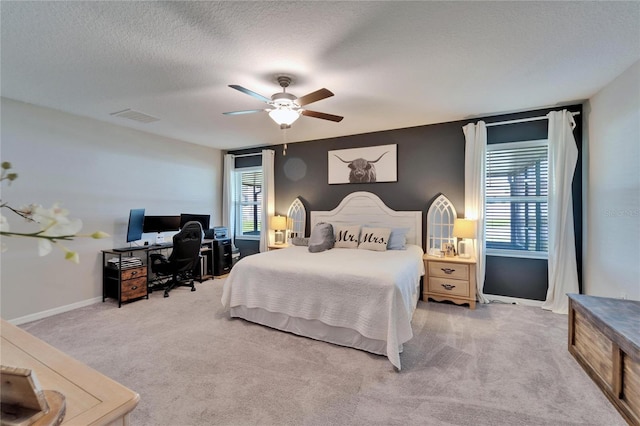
x: 374, y: 239
x: 347, y: 236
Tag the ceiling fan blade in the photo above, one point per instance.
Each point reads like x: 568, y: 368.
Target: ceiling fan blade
x: 316, y: 96
x: 247, y: 111
x: 250, y: 93
x: 322, y: 115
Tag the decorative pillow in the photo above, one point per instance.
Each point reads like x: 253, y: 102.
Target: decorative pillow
x: 347, y: 236
x: 321, y: 238
x: 374, y: 239
x: 299, y: 241
x: 398, y: 239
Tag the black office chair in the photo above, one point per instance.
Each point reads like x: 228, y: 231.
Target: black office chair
x: 183, y: 261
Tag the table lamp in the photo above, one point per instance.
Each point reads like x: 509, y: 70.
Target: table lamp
x: 278, y: 224
x: 465, y: 229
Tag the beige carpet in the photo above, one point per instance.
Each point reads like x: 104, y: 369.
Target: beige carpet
x: 192, y: 365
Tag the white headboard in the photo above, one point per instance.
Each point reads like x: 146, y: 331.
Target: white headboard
x: 367, y: 208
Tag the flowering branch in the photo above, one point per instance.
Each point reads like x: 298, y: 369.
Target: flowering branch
x: 54, y: 224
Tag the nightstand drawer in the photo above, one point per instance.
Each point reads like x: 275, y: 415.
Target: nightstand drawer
x: 449, y: 270
x: 127, y: 274
x: 448, y: 286
x: 132, y: 289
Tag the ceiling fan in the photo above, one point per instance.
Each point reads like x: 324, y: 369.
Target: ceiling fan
x: 285, y: 108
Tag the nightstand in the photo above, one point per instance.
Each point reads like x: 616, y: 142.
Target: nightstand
x: 277, y: 246
x: 450, y: 278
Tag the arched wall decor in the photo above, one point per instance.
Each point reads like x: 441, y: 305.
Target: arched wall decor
x: 297, y: 219
x: 440, y: 218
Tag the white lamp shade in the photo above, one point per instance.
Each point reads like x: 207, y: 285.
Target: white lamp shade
x: 464, y: 228
x: 284, y: 116
x: 278, y: 223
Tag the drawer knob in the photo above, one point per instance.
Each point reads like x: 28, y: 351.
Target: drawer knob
x: 448, y: 286
x: 448, y: 271
x: 134, y: 287
x: 134, y: 273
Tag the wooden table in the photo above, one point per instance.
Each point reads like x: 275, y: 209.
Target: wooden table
x: 91, y: 397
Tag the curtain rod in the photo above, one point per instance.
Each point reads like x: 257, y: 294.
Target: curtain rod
x: 522, y: 120
x: 246, y: 155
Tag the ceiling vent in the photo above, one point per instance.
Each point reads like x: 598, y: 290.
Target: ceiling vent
x: 135, y: 116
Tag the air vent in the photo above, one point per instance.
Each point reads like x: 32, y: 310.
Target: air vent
x: 135, y: 116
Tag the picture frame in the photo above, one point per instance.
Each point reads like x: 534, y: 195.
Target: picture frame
x: 449, y: 249
x: 363, y: 165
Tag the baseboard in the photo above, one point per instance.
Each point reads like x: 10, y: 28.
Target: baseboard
x: 54, y: 311
x: 514, y: 300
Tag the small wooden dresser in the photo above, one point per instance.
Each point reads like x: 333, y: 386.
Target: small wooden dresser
x: 450, y: 278
x: 604, y: 337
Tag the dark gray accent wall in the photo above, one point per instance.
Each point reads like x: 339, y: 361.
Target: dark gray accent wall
x: 430, y: 162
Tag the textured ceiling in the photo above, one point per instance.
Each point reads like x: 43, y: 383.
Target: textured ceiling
x: 390, y: 64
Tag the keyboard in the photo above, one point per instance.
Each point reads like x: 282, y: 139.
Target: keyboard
x: 123, y: 249
x: 155, y: 246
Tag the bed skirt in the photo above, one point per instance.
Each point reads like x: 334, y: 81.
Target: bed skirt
x: 314, y: 329
x: 311, y: 328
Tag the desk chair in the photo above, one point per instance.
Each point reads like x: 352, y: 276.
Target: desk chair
x: 183, y: 260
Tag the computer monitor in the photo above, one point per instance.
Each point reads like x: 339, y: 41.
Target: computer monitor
x: 161, y: 223
x: 202, y: 218
x: 134, y: 227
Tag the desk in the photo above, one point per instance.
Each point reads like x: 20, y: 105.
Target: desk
x: 131, y: 282
x: 91, y: 398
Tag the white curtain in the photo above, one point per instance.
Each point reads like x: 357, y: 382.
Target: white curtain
x: 268, y: 198
x: 228, y: 196
x: 563, y: 156
x: 475, y: 136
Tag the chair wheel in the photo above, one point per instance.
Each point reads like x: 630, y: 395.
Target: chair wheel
x: 193, y: 289
x: 166, y: 294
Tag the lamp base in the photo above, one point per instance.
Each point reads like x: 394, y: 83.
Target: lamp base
x: 279, y: 237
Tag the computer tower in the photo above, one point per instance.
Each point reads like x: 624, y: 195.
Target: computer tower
x: 222, y: 256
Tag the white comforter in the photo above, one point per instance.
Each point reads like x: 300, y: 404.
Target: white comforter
x: 367, y: 291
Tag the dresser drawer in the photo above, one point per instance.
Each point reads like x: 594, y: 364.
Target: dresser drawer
x: 448, y: 286
x: 130, y: 273
x: 132, y: 289
x: 449, y: 270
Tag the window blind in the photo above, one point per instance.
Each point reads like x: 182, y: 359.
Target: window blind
x: 250, y: 202
x: 516, y: 197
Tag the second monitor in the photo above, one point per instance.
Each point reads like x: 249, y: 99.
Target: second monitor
x: 202, y: 218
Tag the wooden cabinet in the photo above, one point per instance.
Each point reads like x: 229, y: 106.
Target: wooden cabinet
x: 604, y: 337
x: 277, y: 246
x: 123, y: 279
x: 450, y: 278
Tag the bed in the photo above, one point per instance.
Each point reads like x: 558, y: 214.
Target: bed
x: 362, y: 299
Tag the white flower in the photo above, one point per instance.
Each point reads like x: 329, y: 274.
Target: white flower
x: 54, y: 221
x: 55, y: 225
x: 4, y: 227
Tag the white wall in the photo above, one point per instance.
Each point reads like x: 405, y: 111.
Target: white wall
x: 612, y: 202
x: 98, y: 171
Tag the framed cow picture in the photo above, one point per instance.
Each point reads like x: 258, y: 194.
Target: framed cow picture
x: 364, y: 165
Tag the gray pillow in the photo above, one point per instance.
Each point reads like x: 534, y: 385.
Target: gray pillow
x: 321, y: 238
x: 299, y: 241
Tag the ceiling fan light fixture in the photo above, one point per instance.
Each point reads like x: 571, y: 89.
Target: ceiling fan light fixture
x: 284, y: 116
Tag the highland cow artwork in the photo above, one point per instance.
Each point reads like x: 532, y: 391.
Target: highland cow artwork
x: 363, y: 165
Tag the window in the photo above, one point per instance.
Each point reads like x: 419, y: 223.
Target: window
x: 249, y: 203
x: 516, y: 205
